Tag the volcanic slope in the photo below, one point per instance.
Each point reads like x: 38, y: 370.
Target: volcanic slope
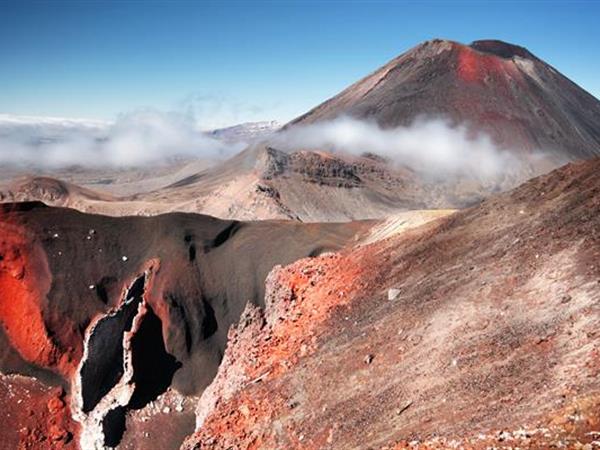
x: 123, y: 320
x: 478, y: 330
x: 499, y: 88
x: 311, y: 186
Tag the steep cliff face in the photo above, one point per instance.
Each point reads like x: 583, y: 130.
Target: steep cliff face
x: 476, y: 330
x: 499, y: 88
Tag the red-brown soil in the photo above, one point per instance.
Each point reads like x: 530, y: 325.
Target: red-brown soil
x: 34, y: 416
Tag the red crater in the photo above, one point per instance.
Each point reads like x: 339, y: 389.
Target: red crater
x: 474, y: 66
x: 24, y: 283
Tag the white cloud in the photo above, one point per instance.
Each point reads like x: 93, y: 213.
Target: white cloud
x: 145, y: 137
x: 135, y: 139
x: 431, y: 146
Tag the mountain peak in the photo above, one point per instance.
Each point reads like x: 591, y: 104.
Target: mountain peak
x: 493, y: 47
x: 501, y: 49
x: 494, y: 87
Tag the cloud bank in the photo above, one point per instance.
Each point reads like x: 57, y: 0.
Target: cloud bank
x: 146, y: 137
x: 430, y: 146
x: 136, y: 139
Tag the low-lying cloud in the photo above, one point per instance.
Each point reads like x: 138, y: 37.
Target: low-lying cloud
x: 147, y: 137
x: 135, y: 139
x: 430, y: 146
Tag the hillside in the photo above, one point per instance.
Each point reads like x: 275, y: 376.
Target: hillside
x: 477, y: 330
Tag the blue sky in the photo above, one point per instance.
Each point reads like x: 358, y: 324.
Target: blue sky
x: 239, y: 61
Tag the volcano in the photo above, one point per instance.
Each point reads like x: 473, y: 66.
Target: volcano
x: 498, y: 88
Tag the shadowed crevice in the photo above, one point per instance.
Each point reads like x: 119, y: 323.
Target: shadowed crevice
x: 226, y: 234
x: 209, y: 322
x: 103, y: 367
x: 113, y: 426
x: 153, y: 366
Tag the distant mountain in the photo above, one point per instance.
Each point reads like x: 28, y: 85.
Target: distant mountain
x: 500, y: 88
x: 248, y: 131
